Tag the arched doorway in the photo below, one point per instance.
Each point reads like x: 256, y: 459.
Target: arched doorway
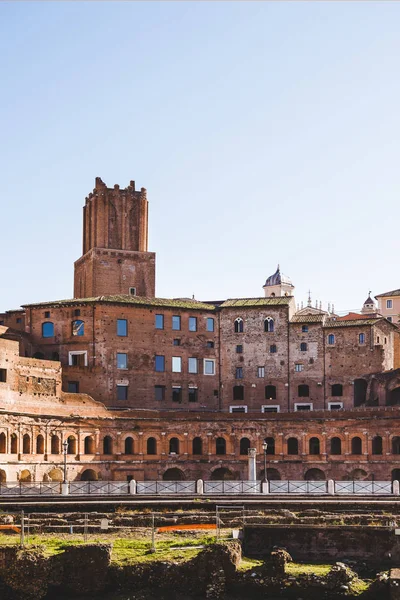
x: 3, y: 443
x: 358, y: 475
x: 293, y: 446
x: 55, y: 444
x: 129, y: 445
x: 71, y: 448
x: 222, y: 474
x: 89, y: 445
x: 336, y: 446
x: 377, y: 446
x: 314, y: 475
x: 55, y: 475
x: 89, y: 475
x: 173, y: 474
x: 244, y: 446
x: 197, y: 445
x: 356, y: 445
x: 40, y: 444
x: 25, y: 475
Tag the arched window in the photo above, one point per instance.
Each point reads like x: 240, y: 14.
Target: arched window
x: 268, y: 324
x: 151, y: 446
x: 107, y: 445
x: 303, y: 347
x: 270, y: 392
x: 47, y: 329
x: 238, y: 325
x: 314, y: 445
x: 270, y: 441
x: 396, y: 445
x: 293, y: 446
x: 26, y: 444
x: 220, y: 446
x: 3, y: 444
x: 174, y: 446
x: 55, y: 444
x: 40, y: 444
x: 238, y: 392
x: 303, y: 391
x: 377, y: 445
x: 89, y: 445
x: 356, y: 445
x: 71, y: 448
x: 331, y: 339
x: 128, y: 445
x: 244, y: 446
x: 336, y: 446
x: 197, y: 446
x: 14, y: 443
x: 78, y: 327
x: 337, y: 389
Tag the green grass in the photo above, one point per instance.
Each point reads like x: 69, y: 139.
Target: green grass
x: 293, y: 569
x: 246, y: 564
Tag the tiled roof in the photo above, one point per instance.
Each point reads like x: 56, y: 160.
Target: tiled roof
x: 352, y: 316
x: 307, y: 318
x: 392, y: 293
x: 250, y: 302
x: 135, y: 300
x: 354, y: 322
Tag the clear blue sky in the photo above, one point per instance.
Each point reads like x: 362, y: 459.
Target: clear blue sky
x: 263, y: 132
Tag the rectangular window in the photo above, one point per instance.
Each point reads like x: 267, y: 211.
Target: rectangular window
x: 210, y: 324
x: 192, y: 323
x: 239, y: 373
x: 210, y: 344
x: 302, y: 406
x: 3, y: 375
x: 176, y: 323
x: 132, y: 291
x: 177, y: 342
x: 361, y: 338
x: 298, y: 367
x: 122, y: 327
x: 122, y: 360
x: 160, y: 363
x: 176, y: 394
x: 335, y: 405
x: 304, y: 328
x: 77, y: 312
x: 260, y: 371
x: 209, y: 366
x: 239, y: 349
x: 159, y: 392
x: 176, y: 364
x: 159, y: 321
x: 19, y: 320
x: 389, y: 304
x: 193, y: 396
x: 238, y: 409
x: 77, y: 358
x: 73, y: 387
x: 122, y: 392
x: 47, y: 314
x: 193, y: 365
x: 270, y: 408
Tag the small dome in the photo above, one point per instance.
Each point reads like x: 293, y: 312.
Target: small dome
x: 278, y: 278
x: 369, y: 301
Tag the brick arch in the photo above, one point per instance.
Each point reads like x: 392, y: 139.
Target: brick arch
x: 226, y: 472
x: 229, y: 443
x: 181, y: 441
x: 173, y: 473
x: 158, y: 441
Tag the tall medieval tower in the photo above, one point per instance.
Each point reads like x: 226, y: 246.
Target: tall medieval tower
x: 115, y: 259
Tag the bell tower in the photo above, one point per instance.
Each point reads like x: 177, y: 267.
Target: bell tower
x: 115, y: 258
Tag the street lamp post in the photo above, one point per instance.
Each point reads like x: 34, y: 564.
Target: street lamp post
x: 65, y: 449
x: 265, y: 447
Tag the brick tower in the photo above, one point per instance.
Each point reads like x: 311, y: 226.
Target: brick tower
x: 115, y: 259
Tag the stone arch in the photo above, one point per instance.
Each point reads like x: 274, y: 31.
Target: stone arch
x: 314, y: 475
x: 129, y: 445
x: 272, y: 474
x: 3, y: 476
x: 393, y: 397
x: 336, y: 446
x: 358, y: 474
x: 174, y: 474
x: 222, y: 474
x: 244, y: 446
x: 3, y: 443
x: 151, y: 446
x: 55, y: 444
x: 89, y: 445
x: 14, y: 443
x: 360, y: 392
x: 377, y: 445
x: 107, y: 445
x: 25, y: 475
x: 55, y: 474
x: 71, y: 448
x: 89, y: 475
x: 292, y: 446
x: 26, y: 444
x: 40, y: 444
x: 197, y: 445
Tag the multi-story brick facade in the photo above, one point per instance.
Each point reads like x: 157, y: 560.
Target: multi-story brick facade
x: 146, y: 387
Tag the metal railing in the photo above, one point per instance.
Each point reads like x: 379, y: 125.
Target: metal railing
x: 232, y: 487
x: 166, y: 487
